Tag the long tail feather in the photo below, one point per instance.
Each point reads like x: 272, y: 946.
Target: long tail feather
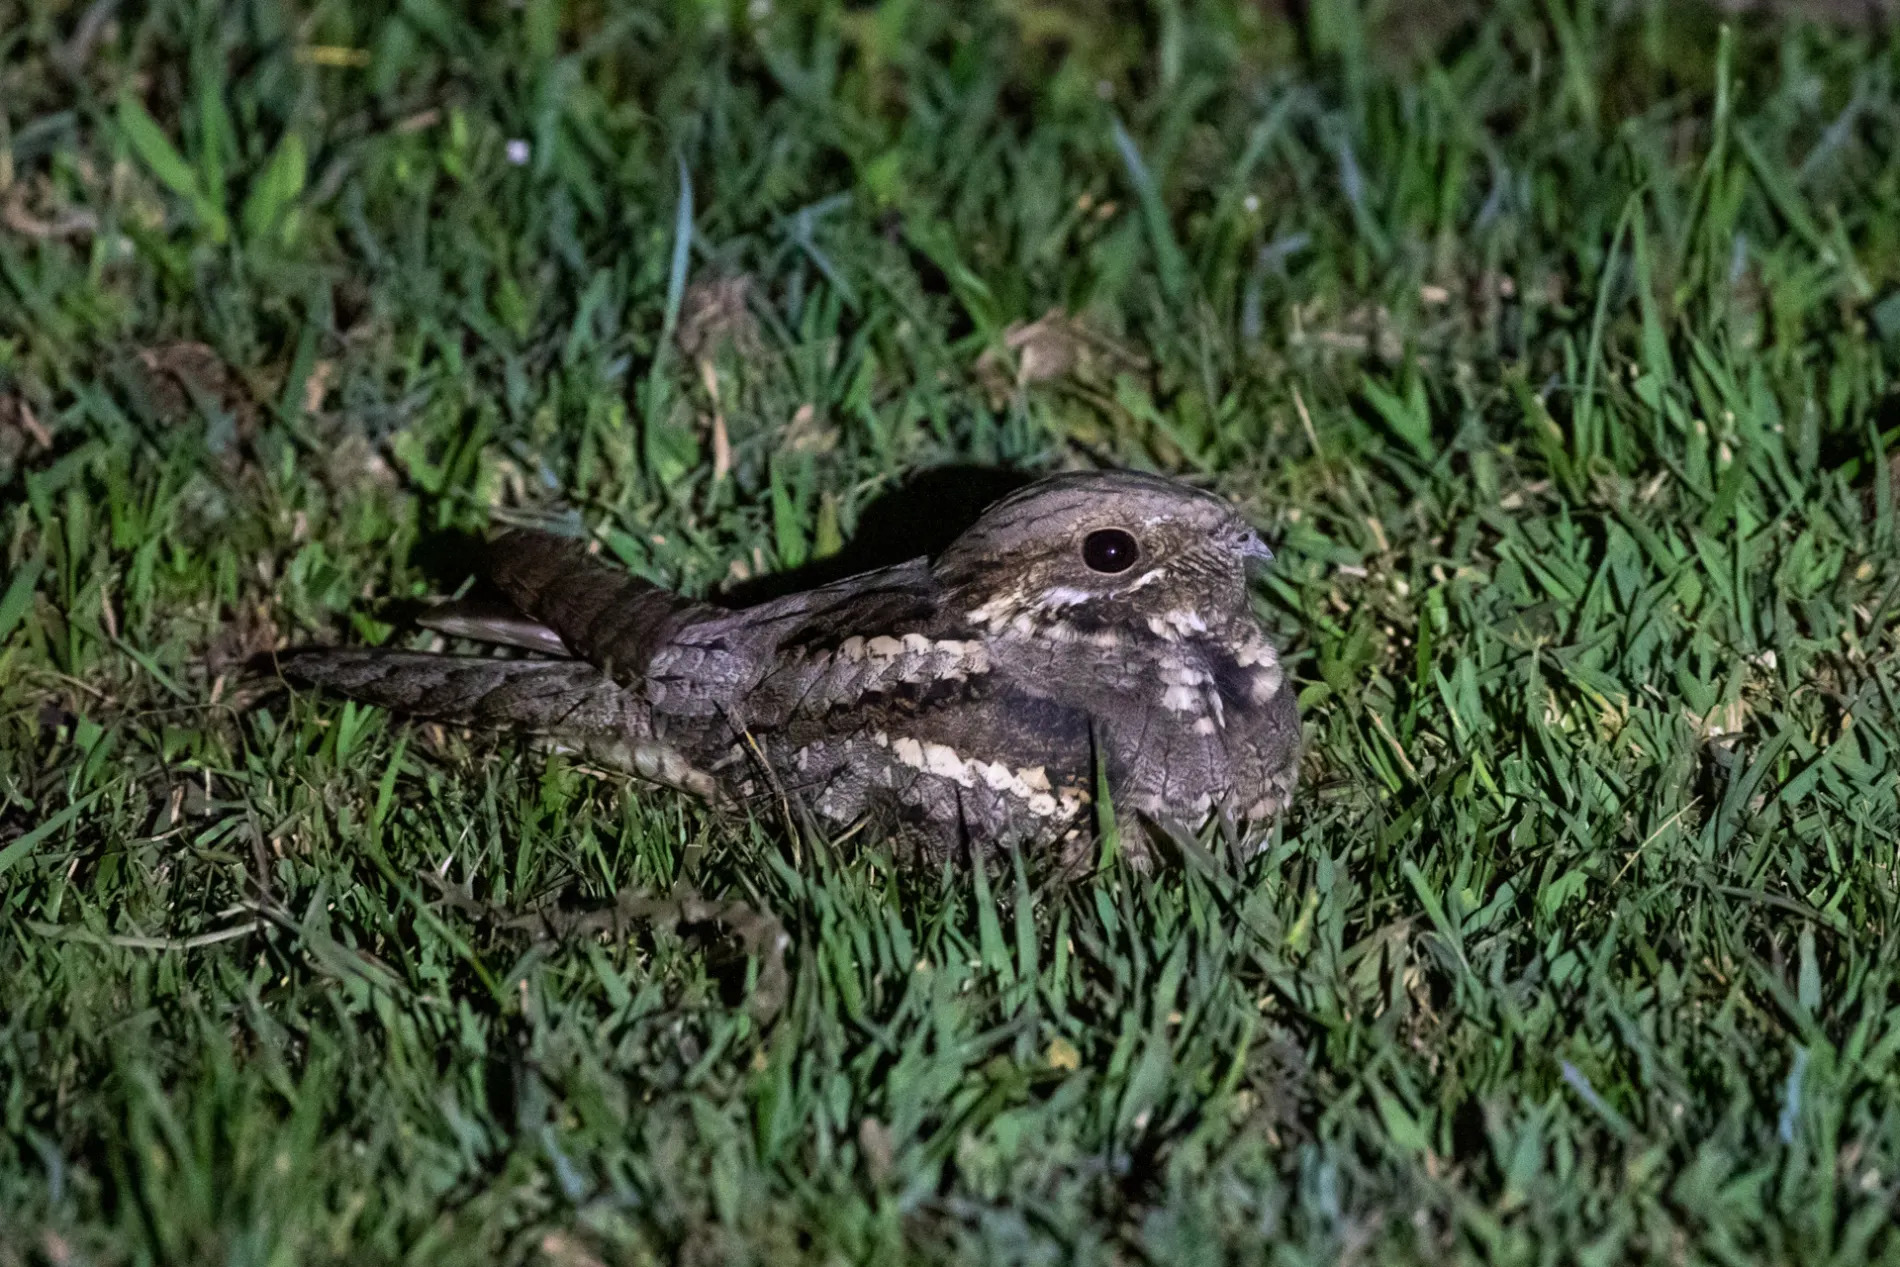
x: 550, y: 697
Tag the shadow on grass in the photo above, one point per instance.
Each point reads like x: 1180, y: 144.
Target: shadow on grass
x: 920, y: 516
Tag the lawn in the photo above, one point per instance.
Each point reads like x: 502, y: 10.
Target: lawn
x: 1553, y: 345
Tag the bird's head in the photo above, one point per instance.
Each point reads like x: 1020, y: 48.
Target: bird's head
x: 1099, y: 551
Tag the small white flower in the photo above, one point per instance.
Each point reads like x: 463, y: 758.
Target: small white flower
x: 517, y: 151
x: 1251, y: 202
x: 759, y: 10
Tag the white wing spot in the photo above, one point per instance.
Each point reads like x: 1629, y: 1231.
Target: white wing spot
x: 1030, y: 784
x: 943, y: 759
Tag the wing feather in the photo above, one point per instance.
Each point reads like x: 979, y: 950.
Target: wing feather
x: 603, y: 614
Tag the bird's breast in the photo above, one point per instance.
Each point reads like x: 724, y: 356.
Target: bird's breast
x: 1193, y: 719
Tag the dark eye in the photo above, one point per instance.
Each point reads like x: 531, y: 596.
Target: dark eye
x: 1109, y: 550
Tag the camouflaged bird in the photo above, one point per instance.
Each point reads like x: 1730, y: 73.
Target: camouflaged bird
x: 958, y: 704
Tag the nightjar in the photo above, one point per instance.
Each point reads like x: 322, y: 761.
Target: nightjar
x: 1092, y: 623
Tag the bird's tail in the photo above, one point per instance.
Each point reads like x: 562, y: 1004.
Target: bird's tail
x: 566, y: 699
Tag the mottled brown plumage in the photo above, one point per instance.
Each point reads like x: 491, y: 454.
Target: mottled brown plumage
x: 1088, y: 621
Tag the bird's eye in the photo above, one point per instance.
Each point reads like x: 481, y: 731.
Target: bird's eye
x: 1109, y: 550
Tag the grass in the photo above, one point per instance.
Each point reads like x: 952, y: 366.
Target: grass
x: 1553, y: 344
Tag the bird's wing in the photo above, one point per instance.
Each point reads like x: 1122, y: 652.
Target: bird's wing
x: 716, y: 661
x: 877, y: 699
x: 600, y: 613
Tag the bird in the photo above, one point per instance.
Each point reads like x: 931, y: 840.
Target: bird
x: 1092, y: 630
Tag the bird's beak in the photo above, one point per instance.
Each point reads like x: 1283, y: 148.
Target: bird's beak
x: 1255, y: 550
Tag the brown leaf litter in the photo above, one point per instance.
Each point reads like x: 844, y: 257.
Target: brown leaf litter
x: 1053, y: 348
